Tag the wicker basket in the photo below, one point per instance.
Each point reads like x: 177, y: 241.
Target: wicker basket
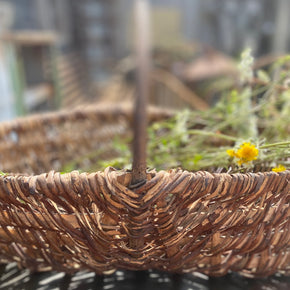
x: 177, y: 221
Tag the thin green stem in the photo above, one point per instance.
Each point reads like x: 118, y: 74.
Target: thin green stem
x: 275, y: 145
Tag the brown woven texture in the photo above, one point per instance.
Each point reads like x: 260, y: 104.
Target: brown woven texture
x: 48, y: 141
x: 177, y: 221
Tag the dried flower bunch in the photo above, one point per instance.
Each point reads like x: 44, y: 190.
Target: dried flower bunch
x: 246, y: 153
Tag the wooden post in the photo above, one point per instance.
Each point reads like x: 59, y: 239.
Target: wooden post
x: 140, y: 114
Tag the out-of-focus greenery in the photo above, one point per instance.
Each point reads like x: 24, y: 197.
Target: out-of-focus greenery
x: 256, y: 110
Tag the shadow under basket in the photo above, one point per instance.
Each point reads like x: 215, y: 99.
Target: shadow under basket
x: 178, y: 221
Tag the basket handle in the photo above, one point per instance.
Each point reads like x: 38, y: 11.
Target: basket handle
x: 143, y: 57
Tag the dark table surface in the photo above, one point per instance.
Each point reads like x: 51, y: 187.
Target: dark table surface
x: 13, y: 278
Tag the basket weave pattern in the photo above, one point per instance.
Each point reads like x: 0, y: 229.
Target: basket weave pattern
x: 41, y: 143
x: 177, y: 221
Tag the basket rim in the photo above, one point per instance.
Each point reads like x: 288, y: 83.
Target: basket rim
x: 81, y: 111
x: 151, y: 173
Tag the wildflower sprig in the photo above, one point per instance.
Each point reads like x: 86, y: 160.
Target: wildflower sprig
x: 252, y: 113
x: 245, y: 154
x: 274, y: 156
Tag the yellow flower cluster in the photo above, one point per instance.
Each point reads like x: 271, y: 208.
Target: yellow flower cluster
x: 246, y: 153
x: 279, y: 168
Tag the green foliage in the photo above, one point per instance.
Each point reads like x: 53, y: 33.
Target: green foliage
x: 250, y: 111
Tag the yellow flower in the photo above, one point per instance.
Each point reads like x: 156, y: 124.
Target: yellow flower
x: 245, y: 154
x: 279, y: 168
x: 232, y: 153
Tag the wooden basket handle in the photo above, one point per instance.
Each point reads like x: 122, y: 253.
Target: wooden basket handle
x: 143, y: 59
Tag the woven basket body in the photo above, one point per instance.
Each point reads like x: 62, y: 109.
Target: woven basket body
x: 41, y: 143
x: 177, y: 221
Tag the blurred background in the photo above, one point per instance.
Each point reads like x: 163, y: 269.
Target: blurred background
x: 63, y: 53
x: 67, y: 53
